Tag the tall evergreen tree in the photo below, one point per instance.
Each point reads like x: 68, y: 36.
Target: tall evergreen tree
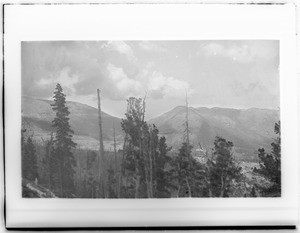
x: 144, y: 155
x: 190, y: 179
x: 63, y: 144
x: 222, y: 169
x: 270, y: 165
x: 137, y: 151
x: 184, y: 169
x: 189, y: 171
x: 47, y: 162
x: 162, y: 186
x: 29, y: 158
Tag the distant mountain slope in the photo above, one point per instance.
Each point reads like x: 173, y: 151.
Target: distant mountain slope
x: 247, y: 129
x: 37, y: 115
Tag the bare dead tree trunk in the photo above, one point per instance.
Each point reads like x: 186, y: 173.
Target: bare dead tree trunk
x: 101, y: 173
x: 101, y: 148
x: 144, y: 107
x: 187, y: 139
x: 147, y: 161
x: 116, y: 160
x: 187, y: 121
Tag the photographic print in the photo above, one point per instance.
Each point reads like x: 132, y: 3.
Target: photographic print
x: 150, y: 119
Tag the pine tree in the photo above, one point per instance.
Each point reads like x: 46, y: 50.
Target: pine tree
x: 47, y: 161
x: 144, y: 155
x: 189, y: 172
x: 135, y: 153
x: 63, y: 144
x: 189, y: 176
x: 222, y: 169
x: 29, y: 158
x: 161, y: 175
x: 270, y: 165
x: 184, y: 171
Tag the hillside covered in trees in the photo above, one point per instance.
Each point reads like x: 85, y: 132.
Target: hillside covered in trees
x: 188, y: 152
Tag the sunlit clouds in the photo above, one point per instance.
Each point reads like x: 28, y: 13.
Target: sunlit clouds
x: 238, y: 74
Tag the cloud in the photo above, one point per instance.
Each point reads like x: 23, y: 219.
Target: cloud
x: 123, y: 85
x: 121, y: 47
x: 222, y: 73
x: 161, y: 86
x: 64, y: 78
x: 243, y: 52
x: 237, y: 53
x: 212, y: 49
x: 151, y: 47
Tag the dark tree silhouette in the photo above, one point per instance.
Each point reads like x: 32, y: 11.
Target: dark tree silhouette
x: 222, y: 169
x: 144, y: 155
x: 161, y: 175
x: 270, y: 165
x: 29, y: 158
x: 47, y: 170
x: 63, y: 144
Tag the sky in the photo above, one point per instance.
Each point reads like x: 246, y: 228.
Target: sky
x: 214, y: 73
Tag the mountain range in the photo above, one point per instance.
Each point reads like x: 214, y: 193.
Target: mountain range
x: 248, y: 129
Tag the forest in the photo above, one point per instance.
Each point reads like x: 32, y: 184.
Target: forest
x: 145, y: 167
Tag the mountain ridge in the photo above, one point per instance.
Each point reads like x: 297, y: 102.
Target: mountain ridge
x: 248, y: 129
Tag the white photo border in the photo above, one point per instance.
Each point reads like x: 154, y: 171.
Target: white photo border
x: 150, y: 22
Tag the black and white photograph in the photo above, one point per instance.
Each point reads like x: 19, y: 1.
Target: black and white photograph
x: 150, y: 119
x: 151, y: 116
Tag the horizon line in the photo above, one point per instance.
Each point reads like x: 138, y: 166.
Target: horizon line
x: 190, y: 107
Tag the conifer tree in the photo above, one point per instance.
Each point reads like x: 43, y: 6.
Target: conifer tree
x: 48, y: 176
x: 63, y: 144
x: 222, y: 169
x: 144, y: 155
x: 133, y: 165
x: 190, y: 179
x: 161, y: 175
x: 189, y: 176
x: 29, y: 158
x: 270, y: 165
x: 184, y: 171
